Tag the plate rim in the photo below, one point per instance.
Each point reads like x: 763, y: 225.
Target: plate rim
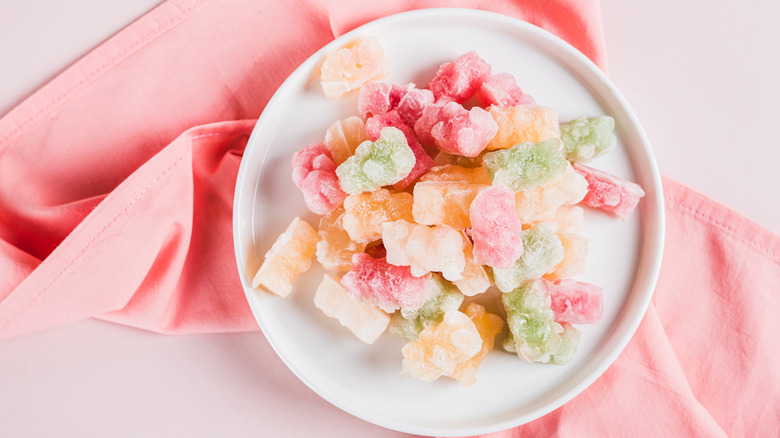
x: 658, y: 230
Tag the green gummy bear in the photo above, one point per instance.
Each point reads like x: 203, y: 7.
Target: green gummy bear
x: 442, y: 297
x: 570, y: 340
x: 542, y: 251
x: 531, y: 322
x: 586, y: 138
x: 526, y: 165
x: 378, y: 163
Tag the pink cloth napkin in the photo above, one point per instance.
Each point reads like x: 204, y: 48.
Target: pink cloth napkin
x: 116, y: 188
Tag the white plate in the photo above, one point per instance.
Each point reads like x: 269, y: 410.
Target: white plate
x: 363, y: 379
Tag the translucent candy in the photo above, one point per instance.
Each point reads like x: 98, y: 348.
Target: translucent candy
x: 495, y: 227
x: 365, y: 213
x: 475, y: 279
x: 460, y: 79
x: 377, y: 98
x: 501, y: 89
x: 489, y: 326
x: 442, y: 297
x: 453, y: 172
x: 423, y: 162
x: 348, y: 68
x: 344, y: 136
x: 364, y: 321
x: 289, y: 256
x: 576, y: 302
x: 575, y: 253
x: 314, y: 172
x: 568, y: 218
x: 444, y: 203
x: 385, y: 161
x: 335, y: 248
x: 585, y: 138
x: 442, y: 158
x: 424, y: 249
x: 609, y: 192
x: 568, y: 189
x: 542, y: 251
x: 522, y: 124
x: 531, y: 322
x: 377, y: 283
x: 526, y: 165
x: 441, y: 347
x: 570, y: 340
x: 454, y: 129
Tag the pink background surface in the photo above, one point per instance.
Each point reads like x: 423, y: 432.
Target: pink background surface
x: 700, y: 78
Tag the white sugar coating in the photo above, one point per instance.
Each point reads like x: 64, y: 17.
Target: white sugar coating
x: 425, y: 249
x: 366, y: 322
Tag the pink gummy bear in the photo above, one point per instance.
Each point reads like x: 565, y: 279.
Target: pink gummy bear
x: 609, y: 192
x: 460, y: 79
x: 423, y: 162
x: 502, y: 90
x: 377, y: 98
x: 576, y: 302
x: 378, y: 283
x: 314, y: 172
x: 456, y: 130
x: 495, y: 227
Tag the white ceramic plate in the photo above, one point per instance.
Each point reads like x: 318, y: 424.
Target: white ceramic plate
x: 624, y: 257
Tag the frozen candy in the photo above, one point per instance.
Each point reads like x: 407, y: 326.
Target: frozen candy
x: 576, y: 302
x: 495, y: 227
x: 488, y: 326
x: 531, y: 322
x: 377, y: 283
x: 575, y: 253
x: 609, y: 192
x: 542, y: 251
x: 424, y: 249
x: 441, y: 347
x: 314, y: 172
x: 423, y: 162
x: 344, y: 136
x: 568, y: 189
x: 364, y: 321
x: 444, y: 203
x: 442, y: 297
x: 350, y: 67
x: 455, y: 173
x: 526, y: 165
x: 460, y: 79
x: 586, y: 138
x: 522, y: 124
x: 378, y: 163
x: 366, y: 212
x: 454, y: 129
x: 475, y: 279
x: 335, y: 248
x: 289, y: 256
x: 502, y: 90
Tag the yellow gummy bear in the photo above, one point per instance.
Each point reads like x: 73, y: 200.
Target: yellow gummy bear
x: 489, y: 326
x: 366, y: 212
x: 335, y: 248
x: 444, y: 203
x: 522, y: 123
x: 289, y: 256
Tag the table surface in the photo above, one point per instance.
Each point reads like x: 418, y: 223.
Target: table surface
x: 701, y: 76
